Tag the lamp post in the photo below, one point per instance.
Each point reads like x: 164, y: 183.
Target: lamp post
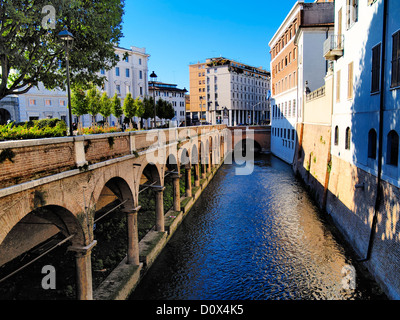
x: 68, y: 38
x: 153, y: 76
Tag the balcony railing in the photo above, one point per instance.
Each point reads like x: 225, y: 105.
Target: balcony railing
x: 334, y: 47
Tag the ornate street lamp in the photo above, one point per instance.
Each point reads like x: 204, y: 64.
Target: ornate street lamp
x: 153, y: 76
x: 68, y: 39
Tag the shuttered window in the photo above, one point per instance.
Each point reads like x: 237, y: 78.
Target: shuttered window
x: 396, y: 60
x: 376, y: 68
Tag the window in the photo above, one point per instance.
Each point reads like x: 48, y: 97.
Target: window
x: 47, y: 102
x: 102, y: 71
x: 338, y: 86
x: 350, y: 81
x: 118, y: 88
x: 126, y: 59
x: 127, y: 73
x: 336, y: 136
x: 348, y: 138
x: 140, y: 61
x: 141, y: 91
x: 140, y: 74
x: 393, y: 148
x: 352, y: 12
x: 376, y: 68
x: 372, y: 139
x: 117, y: 71
x: 32, y: 102
x: 396, y: 60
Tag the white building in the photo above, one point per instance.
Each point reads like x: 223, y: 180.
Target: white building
x: 129, y: 75
x: 297, y: 59
x: 359, y: 114
x: 172, y: 94
x: 238, y: 90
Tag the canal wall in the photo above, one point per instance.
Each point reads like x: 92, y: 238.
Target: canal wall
x: 124, y: 278
x: 348, y: 194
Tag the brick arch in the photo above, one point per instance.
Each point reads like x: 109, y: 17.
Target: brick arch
x: 39, y: 225
x: 122, y: 190
x: 194, y: 154
x: 184, y: 156
x: 154, y: 172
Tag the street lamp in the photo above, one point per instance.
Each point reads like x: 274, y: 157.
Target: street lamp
x: 68, y: 39
x: 153, y: 76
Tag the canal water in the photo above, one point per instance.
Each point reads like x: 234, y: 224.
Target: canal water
x: 256, y: 237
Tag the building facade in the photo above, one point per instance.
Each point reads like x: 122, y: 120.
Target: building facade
x: 296, y: 59
x: 229, y: 92
x: 172, y: 94
x: 129, y: 75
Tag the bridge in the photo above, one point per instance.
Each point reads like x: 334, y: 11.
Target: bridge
x: 57, y: 185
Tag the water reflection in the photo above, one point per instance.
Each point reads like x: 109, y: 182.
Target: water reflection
x: 253, y: 237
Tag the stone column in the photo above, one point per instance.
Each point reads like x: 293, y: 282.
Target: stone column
x: 196, y: 175
x: 203, y: 170
x: 84, y: 285
x: 133, y: 237
x: 188, y: 181
x: 160, y: 225
x: 177, y: 192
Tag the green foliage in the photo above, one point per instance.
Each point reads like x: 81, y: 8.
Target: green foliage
x: 116, y: 108
x: 94, y: 101
x: 105, y: 105
x: 165, y: 110
x: 37, y: 129
x: 129, y: 106
x: 148, y: 104
x: 31, y: 53
x: 79, y: 103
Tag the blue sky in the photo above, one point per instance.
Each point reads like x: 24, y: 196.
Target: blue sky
x: 177, y: 33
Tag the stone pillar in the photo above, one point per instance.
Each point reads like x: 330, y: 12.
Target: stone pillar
x: 196, y: 175
x: 188, y: 181
x: 133, y: 237
x: 84, y: 285
x: 160, y: 225
x: 177, y: 192
x: 203, y: 170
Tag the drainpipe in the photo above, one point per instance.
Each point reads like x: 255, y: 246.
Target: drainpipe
x: 380, y: 151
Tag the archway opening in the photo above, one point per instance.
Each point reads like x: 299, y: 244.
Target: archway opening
x: 110, y: 228
x: 4, y: 116
x: 150, y: 182
x: 41, y: 239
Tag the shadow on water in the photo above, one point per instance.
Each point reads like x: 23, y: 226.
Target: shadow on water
x: 255, y: 237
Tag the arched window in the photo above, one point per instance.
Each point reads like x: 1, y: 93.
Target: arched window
x: 372, y: 139
x: 336, y: 135
x: 348, y: 138
x: 393, y: 148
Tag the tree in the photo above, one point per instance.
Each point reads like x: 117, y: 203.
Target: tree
x: 165, y: 110
x: 129, y: 108
x: 79, y: 103
x: 94, y: 102
x: 31, y: 52
x: 139, y: 109
x: 116, y: 109
x: 148, y: 104
x: 105, y: 106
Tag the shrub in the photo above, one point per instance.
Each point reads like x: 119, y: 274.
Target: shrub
x: 37, y: 129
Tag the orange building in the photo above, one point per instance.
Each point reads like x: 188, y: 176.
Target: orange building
x: 198, y: 103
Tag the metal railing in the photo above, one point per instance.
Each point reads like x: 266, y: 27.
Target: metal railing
x: 334, y: 42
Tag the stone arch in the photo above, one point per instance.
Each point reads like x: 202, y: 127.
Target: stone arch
x: 38, y: 226
x: 122, y: 191
x: 245, y: 145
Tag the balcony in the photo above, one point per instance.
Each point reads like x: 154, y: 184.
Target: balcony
x: 334, y: 47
